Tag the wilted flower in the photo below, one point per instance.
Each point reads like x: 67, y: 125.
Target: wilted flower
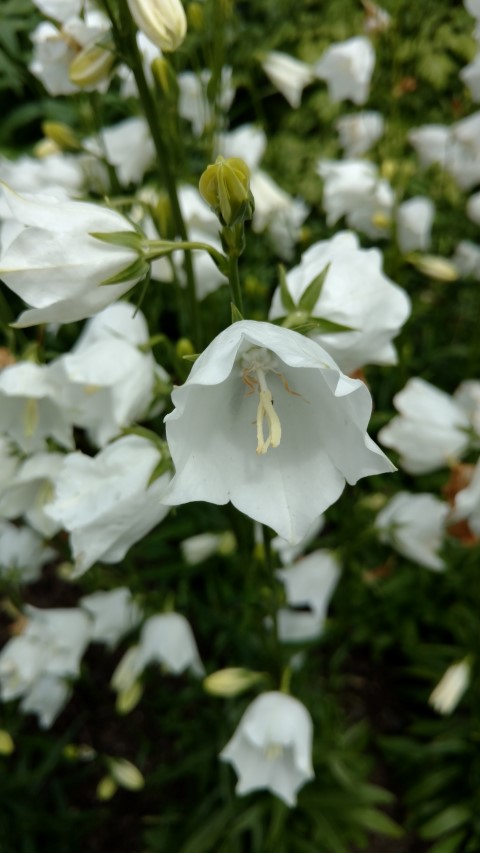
x: 415, y: 525
x: 55, y: 265
x: 451, y: 687
x: 308, y: 442
x: 347, y: 68
x: 431, y: 430
x: 163, y: 21
x: 272, y: 747
x: 288, y: 75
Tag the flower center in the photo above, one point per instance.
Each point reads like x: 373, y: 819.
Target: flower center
x: 273, y: 751
x: 256, y: 364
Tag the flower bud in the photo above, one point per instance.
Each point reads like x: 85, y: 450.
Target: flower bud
x: 230, y: 681
x: 184, y: 347
x: 106, y: 788
x: 92, y: 65
x: 195, y: 16
x: 434, y: 266
x: 7, y: 745
x: 128, y: 699
x: 165, y: 77
x: 163, y: 21
x: 225, y: 186
x: 125, y: 773
x: 62, y: 135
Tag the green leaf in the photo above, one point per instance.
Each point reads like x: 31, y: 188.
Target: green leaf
x: 311, y: 295
x: 376, y: 821
x: 450, y: 844
x: 136, y: 271
x: 236, y: 315
x: 285, y: 296
x: 449, y: 819
x: 126, y: 239
x: 320, y: 325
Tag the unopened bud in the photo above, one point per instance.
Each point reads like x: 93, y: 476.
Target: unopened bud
x: 126, y: 774
x: 231, y: 681
x: 163, y: 21
x: 195, y: 16
x: 7, y: 745
x: 225, y: 186
x: 63, y: 135
x: 184, y: 347
x: 92, y: 65
x: 106, y: 788
x: 165, y: 77
x: 434, y: 266
x: 163, y: 218
x: 128, y: 699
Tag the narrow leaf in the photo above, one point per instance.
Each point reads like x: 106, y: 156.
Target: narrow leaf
x: 126, y: 239
x: 285, y: 295
x: 134, y: 272
x: 311, y: 295
x: 236, y: 315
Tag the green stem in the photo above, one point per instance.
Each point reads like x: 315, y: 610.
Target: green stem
x: 127, y: 38
x: 234, y: 280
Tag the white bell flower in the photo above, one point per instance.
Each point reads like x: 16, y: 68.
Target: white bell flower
x: 27, y: 492
x: 431, y: 430
x: 309, y: 583
x: 58, y: 174
x: 468, y: 396
x: 451, y: 687
x: 455, y: 148
x: 59, y: 10
x: 47, y: 697
x: 267, y: 421
x: 106, y: 503
x: 117, y: 143
x: 467, y: 503
x: 113, y: 613
x: 355, y: 293
x: 471, y: 77
x: 272, y: 747
x: 29, y: 409
x: 56, y: 266
x: 247, y: 142
x: 415, y: 526
x: 414, y: 224
x: 288, y: 553
x: 166, y: 639
x: 288, y: 74
x: 193, y: 103
x: 277, y: 212
x: 202, y: 226
x: 347, y: 68
x: 22, y: 553
x: 358, y: 132
x: 431, y: 142
x: 353, y: 188
x: 467, y: 259
x: 107, y: 382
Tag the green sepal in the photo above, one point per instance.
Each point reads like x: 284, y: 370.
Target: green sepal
x: 311, y: 295
x: 138, y: 270
x: 285, y: 295
x: 322, y: 326
x: 164, y: 465
x: 191, y: 358
x: 236, y: 314
x: 126, y: 239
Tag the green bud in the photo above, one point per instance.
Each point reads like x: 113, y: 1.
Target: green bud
x: 62, y: 135
x: 106, y: 788
x: 225, y: 186
x: 195, y: 16
x: 184, y: 347
x: 231, y: 681
x: 7, y: 745
x: 125, y: 773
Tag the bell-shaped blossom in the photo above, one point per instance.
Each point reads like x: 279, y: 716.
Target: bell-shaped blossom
x: 117, y: 142
x: 288, y: 75
x: 106, y: 502
x: 471, y: 77
x: 194, y: 104
x: 467, y: 259
x: 163, y: 21
x: 29, y: 408
x: 148, y: 52
x: 467, y: 503
x: 415, y: 526
x: 56, y: 47
x: 107, y: 382
x: 35, y: 664
x: 287, y: 552
x: 56, y: 266
x: 455, y: 148
x: 468, y: 396
x: 309, y: 584
x: 166, y: 639
x: 347, y: 68
x: 59, y: 10
x: 196, y: 549
x: 431, y: 142
x: 355, y: 293
x: 377, y: 20
x: 57, y: 174
x: 358, y: 132
x: 414, y: 224
x: 29, y: 488
x: 431, y: 429
x: 277, y: 212
x: 451, y: 687
x: 352, y: 188
x: 202, y: 226
x: 272, y: 747
x: 22, y: 553
x: 113, y: 614
x: 293, y: 465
